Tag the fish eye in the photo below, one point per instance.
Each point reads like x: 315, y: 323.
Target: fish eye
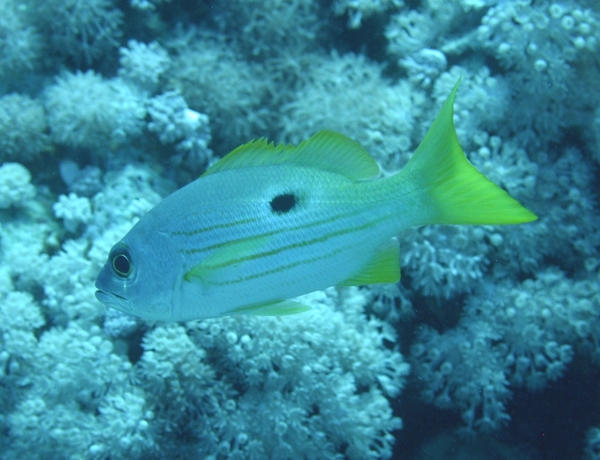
x: 121, y: 264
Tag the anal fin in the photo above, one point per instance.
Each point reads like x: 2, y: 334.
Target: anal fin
x: 276, y: 308
x: 383, y: 267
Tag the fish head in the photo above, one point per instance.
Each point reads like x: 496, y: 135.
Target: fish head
x: 138, y: 278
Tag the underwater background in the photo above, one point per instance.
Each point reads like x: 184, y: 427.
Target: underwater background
x: 489, y: 344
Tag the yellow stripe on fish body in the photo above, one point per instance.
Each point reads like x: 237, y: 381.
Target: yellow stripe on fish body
x: 268, y: 223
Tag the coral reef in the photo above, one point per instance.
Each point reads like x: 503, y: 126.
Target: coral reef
x: 78, y: 30
x: 356, y: 10
x: 176, y: 124
x: 15, y: 185
x: 114, y: 111
x: 265, y: 29
x: 302, y: 381
x: 353, y: 98
x: 106, y: 107
x: 231, y: 91
x: 509, y: 336
x: 143, y: 65
x: 541, y: 45
x: 23, y: 128
x: 20, y: 43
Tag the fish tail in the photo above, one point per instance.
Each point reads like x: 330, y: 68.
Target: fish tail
x: 447, y: 188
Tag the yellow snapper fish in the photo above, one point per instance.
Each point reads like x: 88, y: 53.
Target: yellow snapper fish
x: 268, y: 223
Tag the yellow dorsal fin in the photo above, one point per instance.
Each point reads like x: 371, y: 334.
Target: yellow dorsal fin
x: 384, y: 267
x: 325, y: 150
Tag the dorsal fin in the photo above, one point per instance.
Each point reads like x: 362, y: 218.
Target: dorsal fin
x: 325, y: 150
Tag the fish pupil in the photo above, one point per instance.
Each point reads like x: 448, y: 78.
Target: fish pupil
x: 283, y: 203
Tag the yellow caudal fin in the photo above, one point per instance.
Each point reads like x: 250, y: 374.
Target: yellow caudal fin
x: 450, y: 189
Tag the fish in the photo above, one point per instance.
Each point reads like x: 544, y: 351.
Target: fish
x: 268, y: 223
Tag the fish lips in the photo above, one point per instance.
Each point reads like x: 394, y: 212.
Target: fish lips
x: 114, y: 301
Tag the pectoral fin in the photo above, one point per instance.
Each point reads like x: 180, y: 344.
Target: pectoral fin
x: 277, y: 308
x: 384, y: 267
x: 229, y: 255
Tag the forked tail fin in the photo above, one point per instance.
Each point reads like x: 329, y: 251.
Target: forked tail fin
x: 450, y: 189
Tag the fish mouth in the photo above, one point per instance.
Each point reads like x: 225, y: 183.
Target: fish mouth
x: 113, y: 300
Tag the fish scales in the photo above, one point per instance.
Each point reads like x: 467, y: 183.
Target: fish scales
x: 325, y: 225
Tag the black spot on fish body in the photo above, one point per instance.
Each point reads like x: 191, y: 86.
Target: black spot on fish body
x: 283, y: 203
